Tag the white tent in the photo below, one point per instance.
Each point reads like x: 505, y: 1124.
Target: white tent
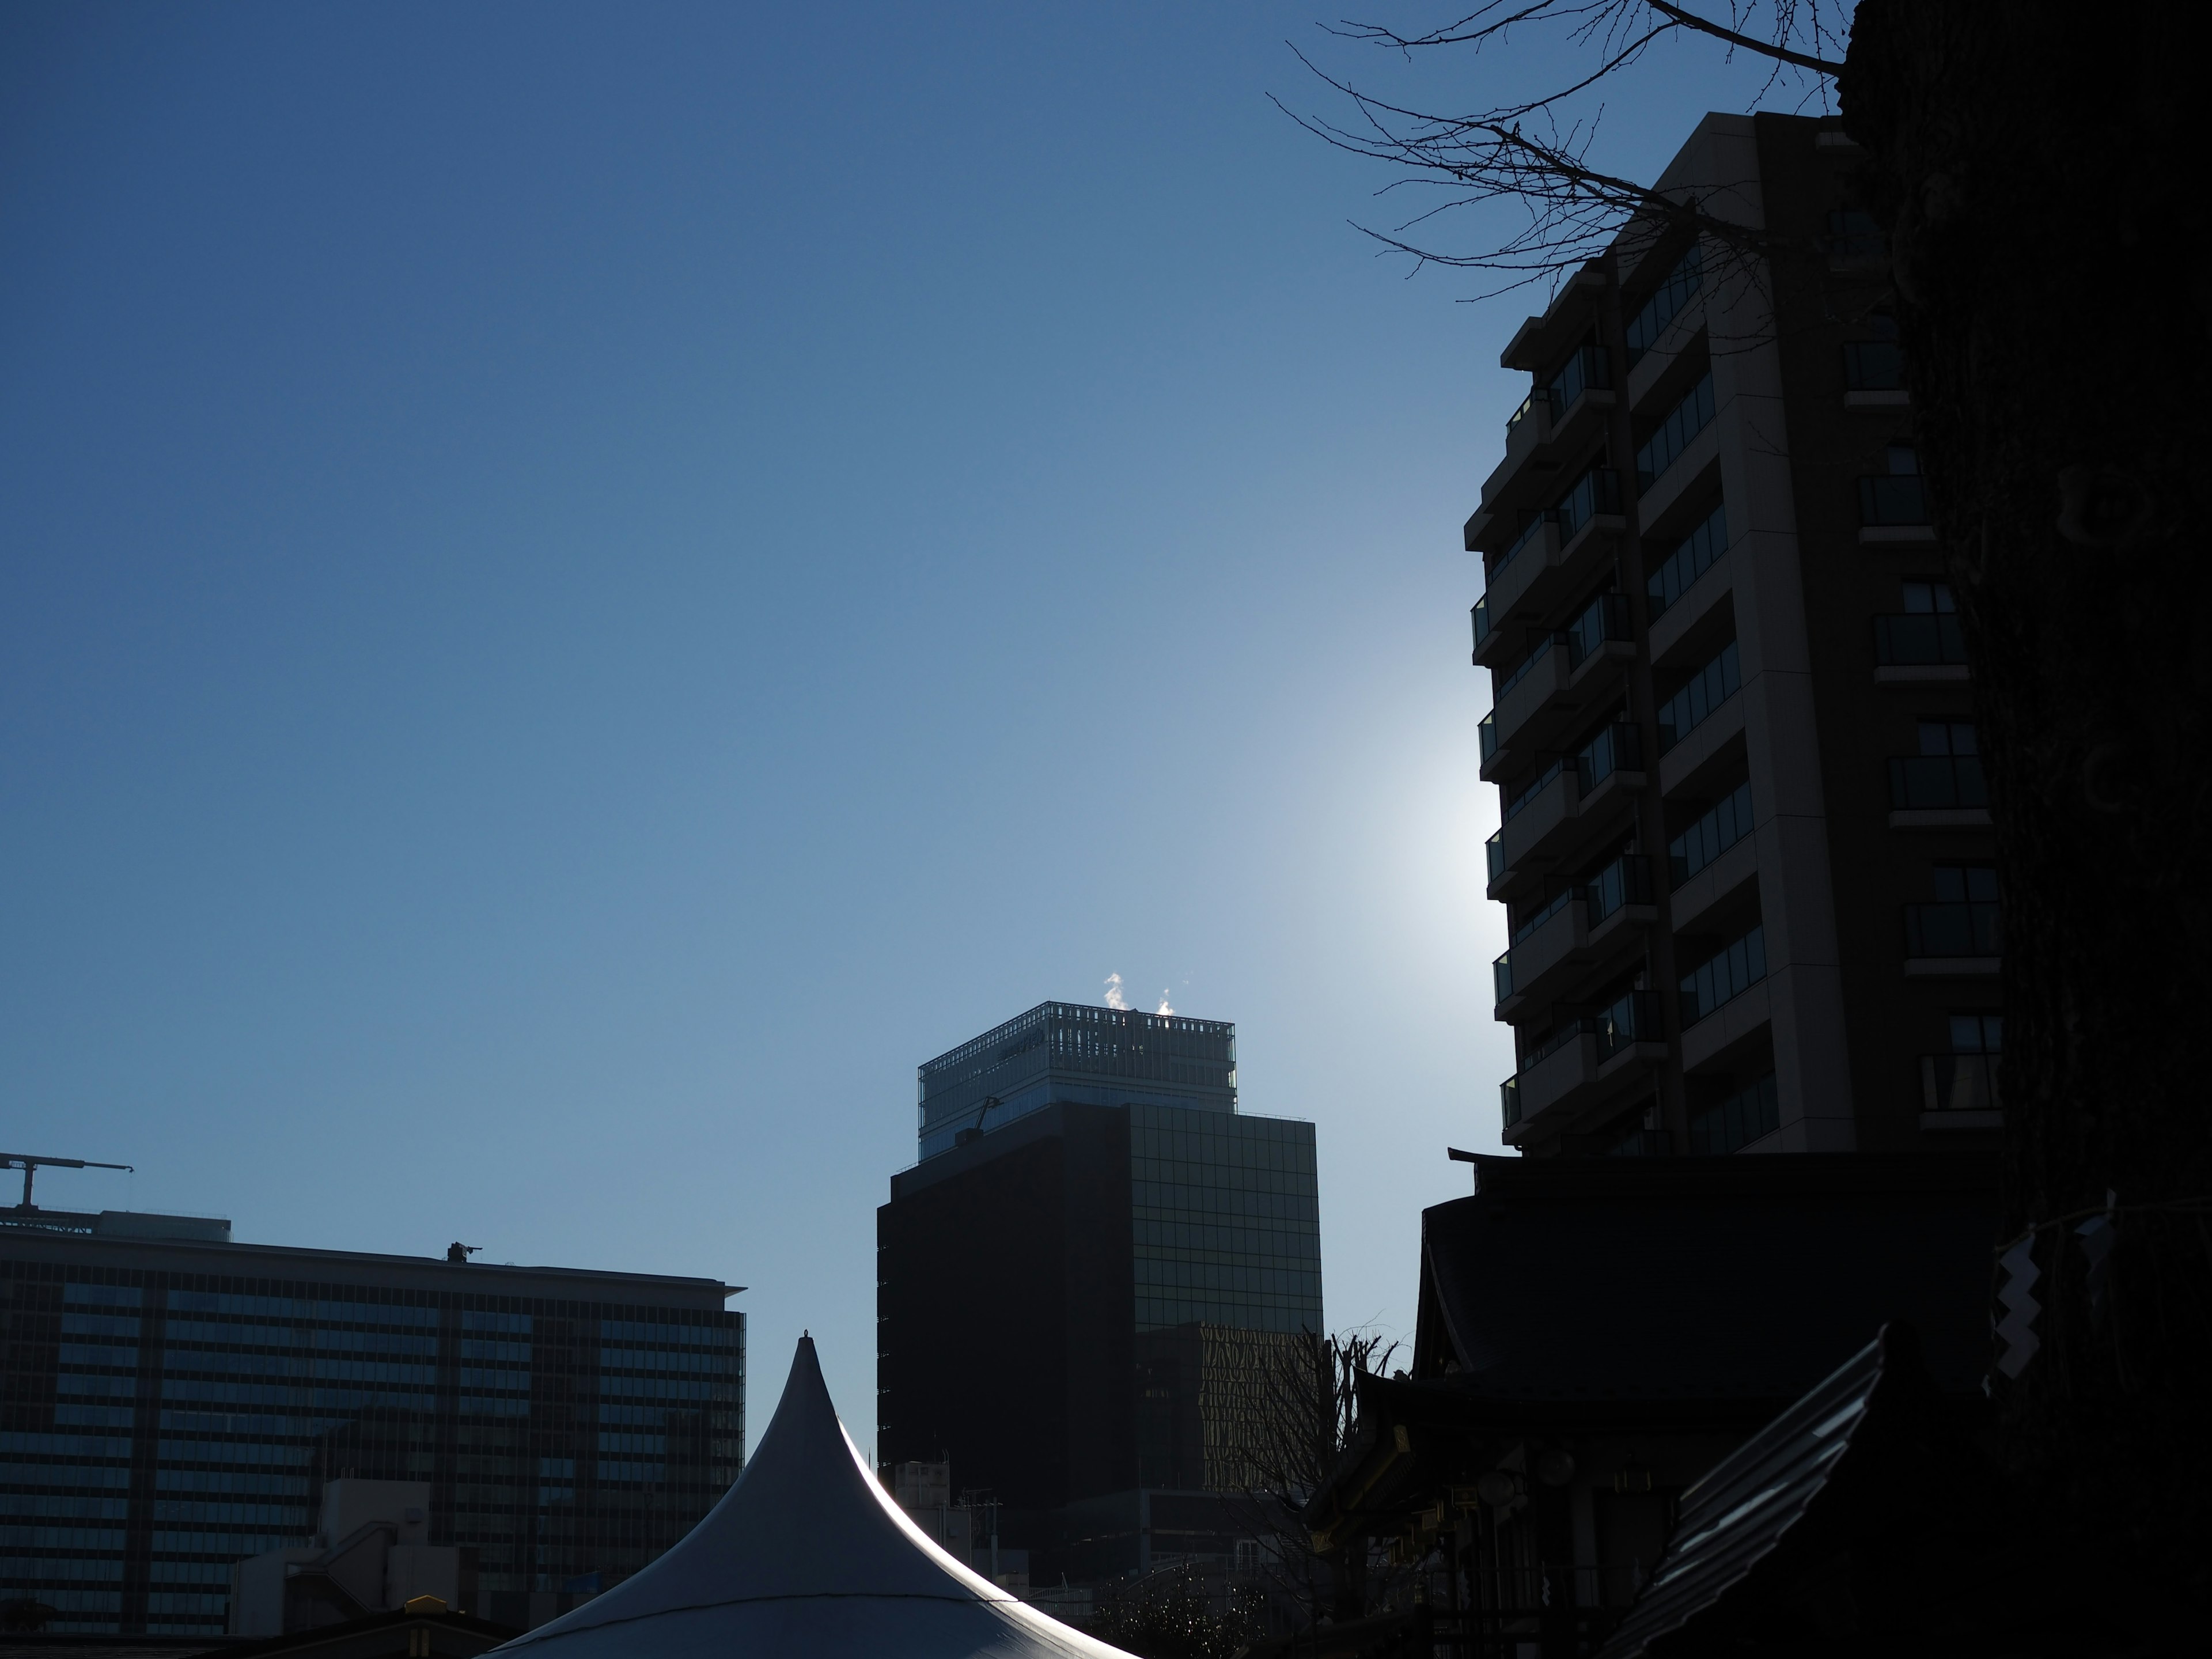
x: 806, y: 1555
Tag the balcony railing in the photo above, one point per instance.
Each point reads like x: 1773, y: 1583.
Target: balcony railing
x: 1934, y: 783
x: 1959, y: 1083
x: 1913, y: 640
x: 1892, y: 499
x: 1519, y: 669
x: 1963, y: 927
x: 1651, y: 318
x: 1494, y: 850
x: 1528, y: 791
x: 1724, y: 975
x: 1682, y: 423
x: 1634, y: 1018
x: 1722, y: 824
x: 1509, y: 1100
x: 1597, y: 491
x: 1513, y: 421
x: 1703, y: 692
x: 1536, y: 918
x: 1486, y: 734
x: 1625, y: 881
x: 1640, y: 1142
x: 1583, y: 372
x: 1692, y: 557
x: 1604, y: 618
x: 1567, y: 1031
x: 1736, y: 1122
x: 1501, y: 977
x: 1873, y: 366
x: 1529, y: 532
x: 1855, y: 236
x: 1480, y: 617
x: 1617, y: 748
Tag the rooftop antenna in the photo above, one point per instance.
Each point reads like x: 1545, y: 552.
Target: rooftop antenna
x: 29, y: 1164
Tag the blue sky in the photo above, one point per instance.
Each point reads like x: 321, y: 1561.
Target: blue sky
x: 583, y: 587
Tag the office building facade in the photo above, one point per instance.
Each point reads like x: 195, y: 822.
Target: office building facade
x: 1083, y: 1308
x: 1745, y: 847
x: 172, y: 1403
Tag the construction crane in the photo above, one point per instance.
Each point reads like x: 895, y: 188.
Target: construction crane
x: 974, y: 1131
x: 28, y: 1164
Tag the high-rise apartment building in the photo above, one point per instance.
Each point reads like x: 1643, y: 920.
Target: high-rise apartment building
x: 1081, y: 1292
x: 173, y: 1402
x: 1745, y: 847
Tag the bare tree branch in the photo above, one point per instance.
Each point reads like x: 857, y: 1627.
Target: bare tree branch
x: 1533, y: 154
x: 1779, y: 52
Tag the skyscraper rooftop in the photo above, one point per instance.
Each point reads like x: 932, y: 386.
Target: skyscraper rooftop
x: 1066, y: 1051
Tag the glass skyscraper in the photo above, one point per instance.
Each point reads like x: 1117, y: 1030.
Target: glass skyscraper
x: 173, y: 1404
x: 1083, y: 1299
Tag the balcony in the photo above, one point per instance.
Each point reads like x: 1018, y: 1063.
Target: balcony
x: 1563, y: 1069
x: 1704, y: 691
x: 1494, y: 853
x: 1584, y: 370
x: 1480, y: 616
x: 1532, y: 815
x: 1937, y: 792
x: 1579, y: 923
x: 1531, y: 684
x: 1543, y: 947
x: 1617, y: 749
x: 1958, y: 938
x: 1525, y: 560
x: 1918, y: 647
x: 1558, y: 551
x: 1595, y: 496
x: 1570, y: 801
x: 1617, y: 898
x: 1893, y: 508
x: 1874, y: 366
x: 1602, y: 625
x: 1528, y: 429
x: 1961, y: 1084
x: 1632, y: 1021
x: 1681, y: 423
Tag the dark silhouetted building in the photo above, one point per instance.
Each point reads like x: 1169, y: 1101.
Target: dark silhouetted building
x: 172, y: 1403
x: 1746, y: 850
x: 1079, y: 1304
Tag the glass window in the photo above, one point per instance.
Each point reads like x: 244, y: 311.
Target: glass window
x: 1929, y: 599
x: 1692, y: 557
x: 1854, y: 234
x: 1966, y: 884
x: 1699, y: 695
x: 1947, y: 738
x: 1977, y: 1034
x: 1651, y: 319
x: 1681, y: 423
x: 1724, y: 975
x: 1737, y: 1122
x: 1725, y: 823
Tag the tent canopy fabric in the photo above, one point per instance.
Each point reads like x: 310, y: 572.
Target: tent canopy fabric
x: 806, y: 1553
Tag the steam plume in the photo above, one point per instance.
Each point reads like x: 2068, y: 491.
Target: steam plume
x: 1114, y: 997
x: 1164, y: 1008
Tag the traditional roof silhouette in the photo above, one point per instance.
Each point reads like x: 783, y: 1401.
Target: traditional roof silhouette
x: 1861, y: 1519
x: 806, y: 1554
